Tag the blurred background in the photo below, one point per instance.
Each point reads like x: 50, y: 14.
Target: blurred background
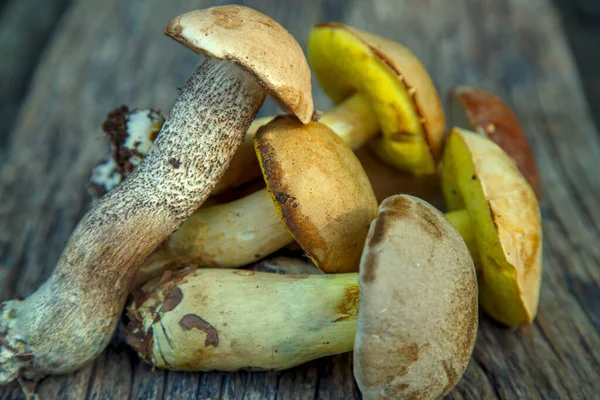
x: 581, y: 19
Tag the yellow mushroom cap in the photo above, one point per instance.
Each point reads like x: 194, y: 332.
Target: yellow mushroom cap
x: 320, y: 190
x: 418, y: 317
x: 256, y: 43
x: 394, y: 82
x: 505, y: 218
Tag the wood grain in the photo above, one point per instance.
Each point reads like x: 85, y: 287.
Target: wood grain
x: 107, y: 53
x: 24, y: 32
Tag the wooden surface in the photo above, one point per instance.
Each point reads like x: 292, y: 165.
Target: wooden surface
x: 102, y: 54
x: 581, y: 20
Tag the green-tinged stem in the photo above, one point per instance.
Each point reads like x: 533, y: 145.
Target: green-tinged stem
x: 227, y: 320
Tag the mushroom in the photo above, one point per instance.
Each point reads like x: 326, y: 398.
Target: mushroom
x: 496, y: 211
x: 410, y: 315
x: 70, y: 319
x: 486, y: 114
x: 382, y: 79
x: 317, y: 194
x: 380, y: 86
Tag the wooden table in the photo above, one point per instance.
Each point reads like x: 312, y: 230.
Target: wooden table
x: 102, y: 54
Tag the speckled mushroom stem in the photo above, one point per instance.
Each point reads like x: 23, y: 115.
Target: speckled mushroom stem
x: 70, y: 319
x: 230, y: 320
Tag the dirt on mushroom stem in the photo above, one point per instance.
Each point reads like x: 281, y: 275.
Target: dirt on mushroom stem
x: 206, y: 319
x: 69, y: 320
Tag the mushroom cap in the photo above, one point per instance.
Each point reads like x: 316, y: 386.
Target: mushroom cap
x: 485, y: 113
x: 505, y: 218
x: 320, y: 190
x: 418, y: 317
x: 257, y: 44
x: 397, y: 86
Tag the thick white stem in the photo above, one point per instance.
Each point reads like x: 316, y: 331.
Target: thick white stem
x: 226, y: 236
x: 210, y: 236
x: 69, y: 320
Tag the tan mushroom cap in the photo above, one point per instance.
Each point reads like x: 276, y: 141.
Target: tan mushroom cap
x: 418, y: 316
x: 320, y: 190
x: 397, y: 86
x: 477, y: 175
x: 257, y: 44
x: 485, y: 113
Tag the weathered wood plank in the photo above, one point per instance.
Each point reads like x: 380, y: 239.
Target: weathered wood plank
x: 24, y: 32
x: 107, y: 53
x: 581, y: 19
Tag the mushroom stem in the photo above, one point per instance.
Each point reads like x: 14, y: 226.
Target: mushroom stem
x: 226, y: 235
x: 243, y: 320
x: 70, y: 319
x: 353, y: 121
x: 461, y: 221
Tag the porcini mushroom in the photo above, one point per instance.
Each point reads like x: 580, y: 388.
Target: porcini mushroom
x: 418, y: 318
x: 496, y: 211
x: 382, y: 79
x: 317, y: 194
x: 486, y: 114
x: 415, y: 323
x: 70, y: 319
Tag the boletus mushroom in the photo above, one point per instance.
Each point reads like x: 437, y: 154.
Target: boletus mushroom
x: 70, y: 319
x: 387, y: 86
x: 317, y: 194
x: 494, y: 208
x: 486, y: 114
x: 410, y: 314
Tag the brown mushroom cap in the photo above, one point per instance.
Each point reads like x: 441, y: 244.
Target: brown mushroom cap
x: 418, y: 317
x: 320, y: 190
x: 397, y: 86
x: 257, y: 44
x: 477, y: 175
x: 485, y: 113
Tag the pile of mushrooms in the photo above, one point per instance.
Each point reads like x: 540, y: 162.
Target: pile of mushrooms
x: 189, y: 210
